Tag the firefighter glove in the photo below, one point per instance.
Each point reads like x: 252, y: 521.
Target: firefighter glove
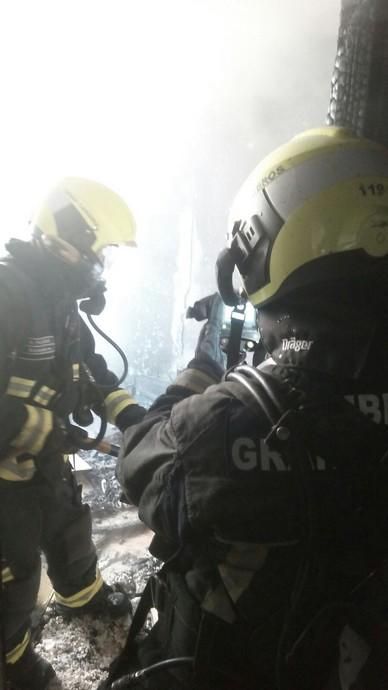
x: 116, y: 402
x: 208, y: 353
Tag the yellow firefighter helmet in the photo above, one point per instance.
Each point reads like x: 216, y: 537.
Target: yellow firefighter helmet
x: 81, y: 217
x: 313, y: 211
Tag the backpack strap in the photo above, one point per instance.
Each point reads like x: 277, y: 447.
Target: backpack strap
x: 256, y: 390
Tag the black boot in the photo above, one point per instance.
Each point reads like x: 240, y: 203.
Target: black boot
x: 109, y: 602
x: 30, y: 672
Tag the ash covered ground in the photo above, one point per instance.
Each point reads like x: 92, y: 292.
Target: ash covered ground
x: 81, y: 650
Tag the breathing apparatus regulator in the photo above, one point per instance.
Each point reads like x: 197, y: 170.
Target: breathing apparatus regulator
x: 77, y: 221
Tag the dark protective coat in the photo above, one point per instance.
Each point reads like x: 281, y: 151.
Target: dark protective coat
x: 46, y: 354
x: 212, y: 490
x: 44, y: 341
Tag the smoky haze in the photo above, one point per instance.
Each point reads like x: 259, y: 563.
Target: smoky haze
x: 171, y: 103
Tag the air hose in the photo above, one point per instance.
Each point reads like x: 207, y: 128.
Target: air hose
x: 115, y: 346
x: 76, y: 433
x: 133, y: 679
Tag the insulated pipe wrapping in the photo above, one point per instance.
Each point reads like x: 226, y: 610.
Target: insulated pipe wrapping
x: 359, y: 85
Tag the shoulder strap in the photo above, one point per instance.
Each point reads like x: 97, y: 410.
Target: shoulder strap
x: 256, y: 390
x: 334, y: 415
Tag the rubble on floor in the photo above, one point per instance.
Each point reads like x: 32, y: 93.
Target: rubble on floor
x: 82, y: 649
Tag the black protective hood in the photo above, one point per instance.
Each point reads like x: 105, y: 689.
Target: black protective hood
x: 57, y: 279
x: 338, y: 329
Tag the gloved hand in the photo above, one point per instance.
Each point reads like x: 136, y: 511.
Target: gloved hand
x: 120, y: 408
x: 208, y: 365
x: 208, y: 350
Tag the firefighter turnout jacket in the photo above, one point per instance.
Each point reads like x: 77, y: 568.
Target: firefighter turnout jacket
x: 231, y: 516
x: 46, y: 356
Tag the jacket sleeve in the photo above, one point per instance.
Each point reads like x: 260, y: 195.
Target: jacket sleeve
x: 22, y: 426
x: 147, y: 468
x: 121, y: 408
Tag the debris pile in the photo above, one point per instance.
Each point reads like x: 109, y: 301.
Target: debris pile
x: 82, y: 649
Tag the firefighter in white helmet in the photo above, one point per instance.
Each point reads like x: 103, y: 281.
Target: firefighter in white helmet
x: 47, y: 360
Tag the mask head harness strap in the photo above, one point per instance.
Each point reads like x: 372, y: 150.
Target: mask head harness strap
x: 236, y: 328
x: 225, y: 265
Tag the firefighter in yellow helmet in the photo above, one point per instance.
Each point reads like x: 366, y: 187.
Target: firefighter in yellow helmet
x: 268, y: 488
x: 47, y: 360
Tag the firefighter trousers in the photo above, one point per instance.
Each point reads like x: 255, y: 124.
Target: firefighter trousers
x: 37, y: 516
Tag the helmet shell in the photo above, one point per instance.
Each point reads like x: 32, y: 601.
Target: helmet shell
x: 86, y: 215
x: 314, y: 210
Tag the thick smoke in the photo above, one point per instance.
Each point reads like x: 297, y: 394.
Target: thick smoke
x: 241, y: 78
x: 172, y: 103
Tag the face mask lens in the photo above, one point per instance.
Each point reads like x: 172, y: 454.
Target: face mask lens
x: 107, y: 257
x: 97, y: 271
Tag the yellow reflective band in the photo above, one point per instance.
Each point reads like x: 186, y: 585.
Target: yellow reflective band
x: 13, y: 469
x: 195, y: 380
x: 44, y: 396
x: 76, y: 371
x: 6, y: 575
x: 360, y: 223
x: 14, y: 655
x: 37, y: 427
x: 83, y: 597
x: 116, y: 402
x: 20, y: 387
